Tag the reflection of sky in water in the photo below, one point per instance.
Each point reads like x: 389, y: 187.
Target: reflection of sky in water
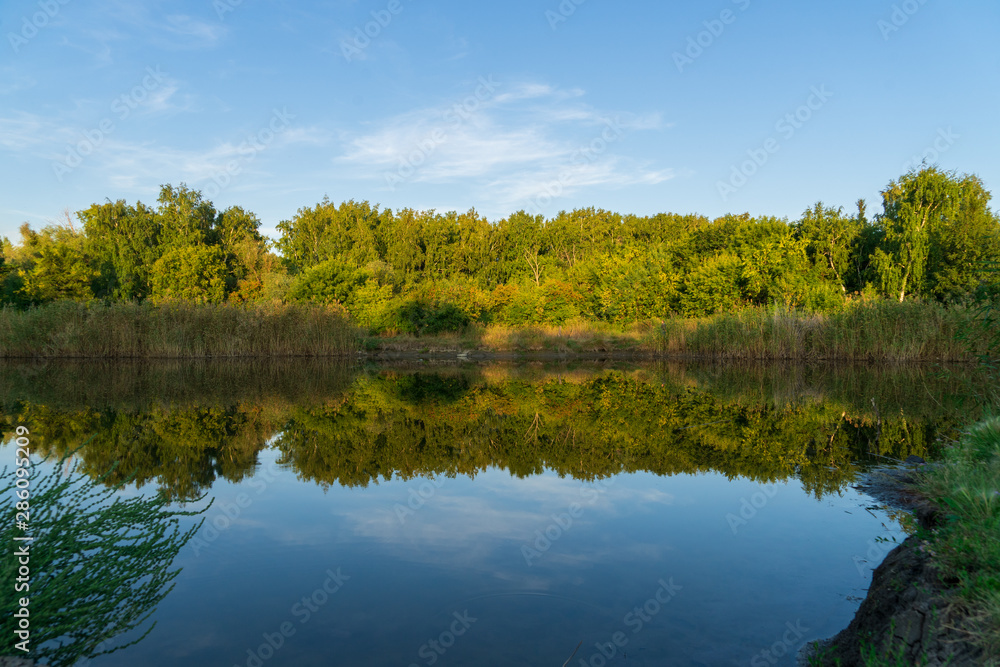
x: 464, y: 550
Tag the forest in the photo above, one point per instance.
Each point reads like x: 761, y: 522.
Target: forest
x: 182, y: 427
x: 425, y: 272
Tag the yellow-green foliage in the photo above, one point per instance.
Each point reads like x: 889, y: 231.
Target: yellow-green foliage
x: 865, y: 330
x: 354, y: 430
x: 175, y: 329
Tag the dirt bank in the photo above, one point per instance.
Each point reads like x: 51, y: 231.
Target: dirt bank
x: 910, y: 616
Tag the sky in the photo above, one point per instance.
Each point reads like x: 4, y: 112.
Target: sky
x: 717, y: 107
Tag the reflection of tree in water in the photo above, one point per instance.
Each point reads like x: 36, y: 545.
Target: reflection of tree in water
x: 598, y: 427
x: 185, y: 449
x: 99, y: 564
x: 762, y: 425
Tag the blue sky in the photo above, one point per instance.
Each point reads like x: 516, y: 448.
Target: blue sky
x: 637, y: 107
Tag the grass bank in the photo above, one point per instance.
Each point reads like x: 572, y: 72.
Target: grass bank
x: 174, y: 330
x: 874, y: 330
x: 935, y: 599
x: 865, y: 331
x: 966, y: 544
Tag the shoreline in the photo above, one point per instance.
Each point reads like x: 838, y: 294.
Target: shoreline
x: 916, y: 610
x: 865, y: 331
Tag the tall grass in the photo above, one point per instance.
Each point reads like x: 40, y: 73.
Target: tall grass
x: 966, y: 546
x: 872, y: 330
x: 174, y: 330
x: 574, y: 336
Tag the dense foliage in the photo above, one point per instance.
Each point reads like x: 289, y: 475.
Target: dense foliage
x: 99, y: 564
x: 425, y: 272
x: 362, y: 428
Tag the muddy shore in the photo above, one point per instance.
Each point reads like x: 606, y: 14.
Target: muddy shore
x: 910, y: 615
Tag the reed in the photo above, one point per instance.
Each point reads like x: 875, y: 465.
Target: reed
x: 175, y: 329
x: 864, y: 331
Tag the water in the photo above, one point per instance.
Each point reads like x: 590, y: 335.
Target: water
x: 500, y: 515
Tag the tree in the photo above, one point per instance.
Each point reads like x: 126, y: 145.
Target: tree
x: 519, y: 248
x: 831, y: 237
x: 914, y: 206
x: 248, y: 259
x: 54, y: 265
x: 185, y: 219
x: 100, y: 563
x: 331, y: 281
x: 963, y: 243
x: 325, y: 231
x: 195, y: 274
x: 125, y: 243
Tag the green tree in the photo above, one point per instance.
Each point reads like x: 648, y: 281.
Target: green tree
x: 53, y: 265
x: 831, y: 238
x: 248, y: 257
x: 195, y: 274
x: 100, y: 564
x: 185, y: 219
x: 331, y: 281
x: 325, y: 231
x: 61, y: 271
x: 125, y: 243
x: 963, y: 243
x: 917, y: 204
x: 519, y: 249
x: 712, y: 287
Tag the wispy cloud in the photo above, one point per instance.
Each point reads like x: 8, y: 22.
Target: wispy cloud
x: 129, y: 164
x: 509, y: 147
x: 150, y: 23
x: 13, y: 80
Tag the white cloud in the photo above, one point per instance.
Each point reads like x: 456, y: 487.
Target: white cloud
x: 510, y: 146
x: 130, y: 164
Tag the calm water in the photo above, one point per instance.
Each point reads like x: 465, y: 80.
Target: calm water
x: 499, y: 515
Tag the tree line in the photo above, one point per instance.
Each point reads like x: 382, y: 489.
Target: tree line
x: 425, y: 271
x: 399, y: 424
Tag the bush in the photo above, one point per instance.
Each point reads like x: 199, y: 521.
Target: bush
x: 420, y: 317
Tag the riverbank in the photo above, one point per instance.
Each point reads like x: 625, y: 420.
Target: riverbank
x: 935, y: 599
x: 865, y: 331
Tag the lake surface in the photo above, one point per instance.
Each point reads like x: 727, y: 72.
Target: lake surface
x: 470, y: 514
